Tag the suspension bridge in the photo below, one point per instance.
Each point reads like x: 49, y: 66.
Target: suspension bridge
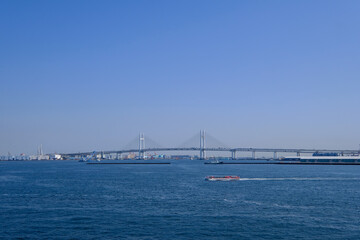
x: 203, y: 147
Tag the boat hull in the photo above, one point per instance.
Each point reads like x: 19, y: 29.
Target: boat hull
x: 224, y: 179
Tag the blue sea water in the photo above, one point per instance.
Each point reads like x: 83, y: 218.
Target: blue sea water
x: 73, y: 200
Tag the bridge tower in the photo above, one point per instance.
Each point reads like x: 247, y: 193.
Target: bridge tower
x: 202, y: 145
x: 141, y: 146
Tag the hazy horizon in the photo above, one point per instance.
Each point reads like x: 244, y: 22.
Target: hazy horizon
x: 90, y: 75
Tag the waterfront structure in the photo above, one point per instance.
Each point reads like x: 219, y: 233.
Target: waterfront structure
x: 322, y: 159
x: 180, y: 157
x: 55, y: 156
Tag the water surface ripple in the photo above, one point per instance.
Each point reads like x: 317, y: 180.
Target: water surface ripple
x: 72, y: 200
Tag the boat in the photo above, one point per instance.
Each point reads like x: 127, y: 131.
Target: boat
x: 225, y: 178
x: 214, y: 162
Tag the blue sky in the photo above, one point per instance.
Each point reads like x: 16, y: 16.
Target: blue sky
x: 86, y: 75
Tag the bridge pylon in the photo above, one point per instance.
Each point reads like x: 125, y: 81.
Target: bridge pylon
x: 141, y: 146
x: 202, y: 145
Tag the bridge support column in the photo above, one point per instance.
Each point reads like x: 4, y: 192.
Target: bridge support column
x: 253, y: 155
x: 298, y: 154
x: 141, y: 154
x: 233, y: 155
x: 202, y: 154
x: 275, y: 155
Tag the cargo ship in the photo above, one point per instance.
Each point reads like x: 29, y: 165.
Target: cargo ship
x: 225, y: 178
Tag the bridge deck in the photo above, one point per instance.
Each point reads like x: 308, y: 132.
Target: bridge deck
x: 222, y: 149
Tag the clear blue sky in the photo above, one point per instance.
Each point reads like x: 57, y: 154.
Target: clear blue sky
x: 86, y: 75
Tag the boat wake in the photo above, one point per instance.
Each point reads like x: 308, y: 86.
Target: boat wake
x: 298, y: 179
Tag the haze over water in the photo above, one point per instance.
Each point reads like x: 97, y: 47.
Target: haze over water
x: 63, y: 200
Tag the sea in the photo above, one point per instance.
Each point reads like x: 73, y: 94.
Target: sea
x: 75, y: 200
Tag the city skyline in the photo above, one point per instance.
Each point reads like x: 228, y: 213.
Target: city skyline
x: 79, y: 76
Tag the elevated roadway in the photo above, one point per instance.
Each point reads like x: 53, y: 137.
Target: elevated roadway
x: 233, y: 151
